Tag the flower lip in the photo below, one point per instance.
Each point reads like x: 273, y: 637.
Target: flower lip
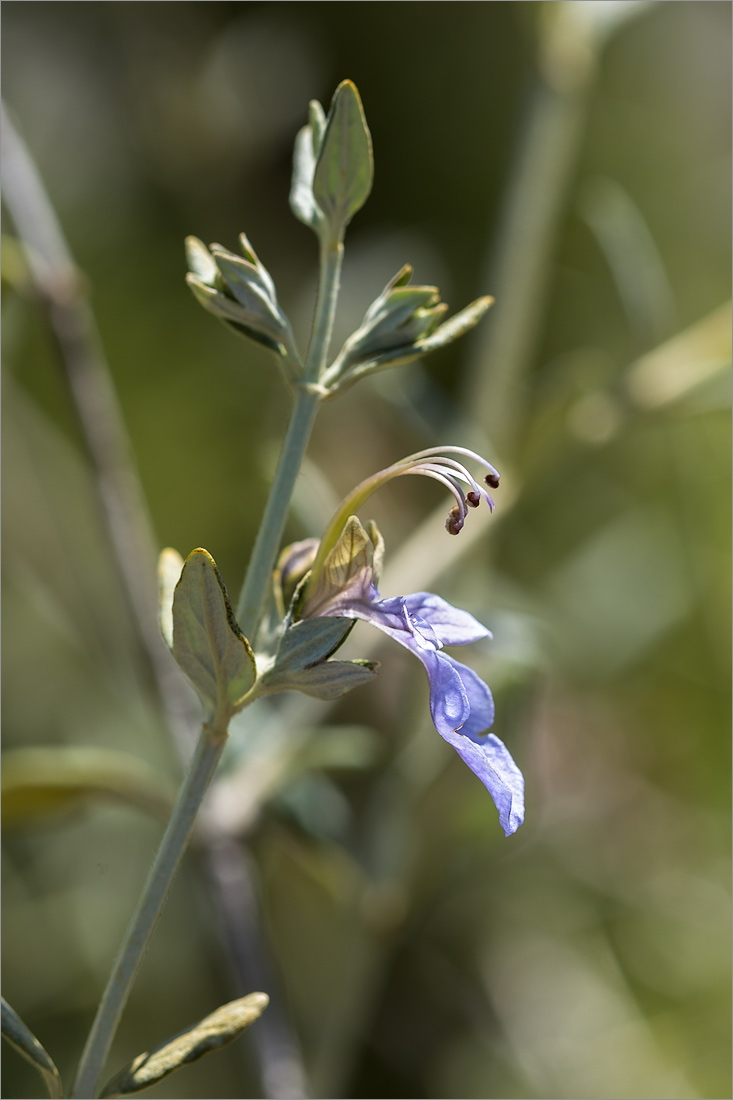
x: 461, y: 704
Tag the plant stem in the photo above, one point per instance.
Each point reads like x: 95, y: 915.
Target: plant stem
x: 152, y: 900
x: 213, y: 739
x: 262, y: 562
x: 332, y: 258
x: 307, y: 399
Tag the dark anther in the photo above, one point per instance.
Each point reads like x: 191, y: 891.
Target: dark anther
x: 454, y: 523
x: 492, y: 480
x: 473, y: 500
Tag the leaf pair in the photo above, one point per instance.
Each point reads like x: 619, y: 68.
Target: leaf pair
x: 333, y: 167
x: 302, y: 662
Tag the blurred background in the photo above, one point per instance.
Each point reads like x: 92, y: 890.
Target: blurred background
x: 573, y: 160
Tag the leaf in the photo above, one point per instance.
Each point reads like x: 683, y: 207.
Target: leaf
x: 200, y: 260
x: 41, y: 781
x: 302, y: 202
x: 25, y: 1042
x: 247, y: 285
x: 326, y: 680
x: 214, y: 1031
x: 457, y: 326
x: 244, y: 321
x: 317, y: 124
x: 170, y: 566
x: 311, y: 640
x: 207, y: 641
x: 344, y: 169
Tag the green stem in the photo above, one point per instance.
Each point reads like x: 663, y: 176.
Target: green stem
x: 262, y: 562
x: 332, y: 258
x: 152, y: 900
x: 307, y: 399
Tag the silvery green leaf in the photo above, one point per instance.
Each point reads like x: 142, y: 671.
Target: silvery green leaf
x: 244, y: 277
x: 302, y: 202
x: 326, y: 680
x: 246, y: 284
x: 457, y: 326
x: 317, y: 123
x: 305, y: 154
x: 308, y: 641
x: 53, y: 779
x: 214, y: 1031
x: 236, y: 316
x: 339, y: 379
x: 200, y: 261
x: 207, y: 642
x: 251, y: 256
x: 396, y: 307
x: 22, y: 1038
x: 170, y: 564
x: 344, y: 169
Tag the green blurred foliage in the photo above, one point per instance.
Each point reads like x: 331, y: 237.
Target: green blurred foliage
x: 417, y: 952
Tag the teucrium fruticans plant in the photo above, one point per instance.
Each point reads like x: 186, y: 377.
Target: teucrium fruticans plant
x: 297, y: 605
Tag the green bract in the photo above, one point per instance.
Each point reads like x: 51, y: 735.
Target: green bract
x: 352, y: 564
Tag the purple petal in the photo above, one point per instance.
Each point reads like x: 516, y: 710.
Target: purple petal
x: 451, y: 625
x: 449, y: 703
x: 479, y: 698
x: 491, y: 761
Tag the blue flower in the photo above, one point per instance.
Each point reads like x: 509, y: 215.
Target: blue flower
x: 460, y: 702
x: 339, y: 577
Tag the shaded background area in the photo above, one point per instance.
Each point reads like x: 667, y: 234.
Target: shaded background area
x: 573, y: 160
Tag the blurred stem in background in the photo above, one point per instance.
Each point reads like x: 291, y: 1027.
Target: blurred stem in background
x: 572, y: 34
x: 60, y: 287
x: 61, y: 290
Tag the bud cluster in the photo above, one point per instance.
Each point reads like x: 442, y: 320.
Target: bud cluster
x: 402, y: 323
x: 239, y: 291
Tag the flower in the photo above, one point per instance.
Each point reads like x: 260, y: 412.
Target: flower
x: 461, y: 704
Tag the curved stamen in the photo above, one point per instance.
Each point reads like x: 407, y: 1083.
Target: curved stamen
x: 478, y: 490
x: 450, y: 449
x: 431, y: 462
x: 428, y: 470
